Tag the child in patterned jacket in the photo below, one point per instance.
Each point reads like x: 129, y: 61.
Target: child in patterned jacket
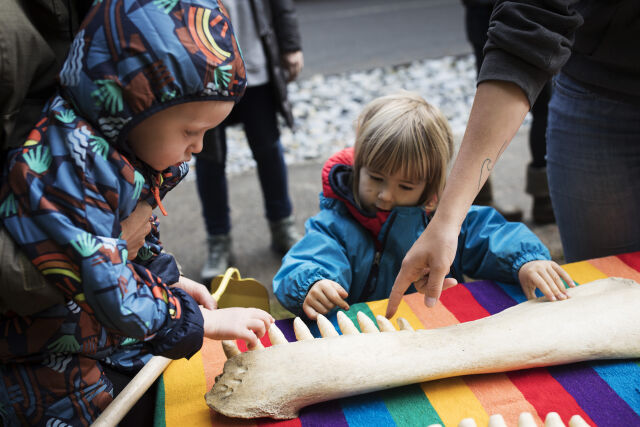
x: 142, y: 83
x: 376, y: 201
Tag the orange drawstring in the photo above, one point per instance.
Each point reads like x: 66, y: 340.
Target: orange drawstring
x: 156, y: 193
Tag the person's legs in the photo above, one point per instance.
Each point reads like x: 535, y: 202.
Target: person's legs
x: 593, y: 163
x: 211, y: 181
x: 477, y: 18
x: 257, y: 112
x: 536, y: 183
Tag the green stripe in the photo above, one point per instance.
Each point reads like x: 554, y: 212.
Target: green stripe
x: 409, y: 406
x: 353, y: 313
x: 159, y: 418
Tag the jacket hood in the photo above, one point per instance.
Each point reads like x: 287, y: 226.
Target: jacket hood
x: 133, y: 58
x: 337, y: 176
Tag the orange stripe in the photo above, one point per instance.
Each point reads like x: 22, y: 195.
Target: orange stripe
x: 202, y: 41
x: 614, y: 267
x: 498, y: 395
x: 431, y: 318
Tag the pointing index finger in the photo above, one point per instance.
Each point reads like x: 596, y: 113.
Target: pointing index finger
x: 400, y: 286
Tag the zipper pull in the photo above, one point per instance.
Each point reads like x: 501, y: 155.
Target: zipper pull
x: 376, y: 259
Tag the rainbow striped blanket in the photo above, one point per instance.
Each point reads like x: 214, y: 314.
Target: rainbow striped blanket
x: 604, y: 393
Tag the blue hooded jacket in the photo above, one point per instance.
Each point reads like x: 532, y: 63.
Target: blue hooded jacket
x: 66, y: 190
x: 363, y: 252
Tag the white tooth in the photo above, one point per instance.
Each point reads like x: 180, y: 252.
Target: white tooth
x: 467, y: 422
x: 346, y: 325
x: 326, y: 327
x: 404, y: 324
x: 526, y: 420
x: 366, y: 324
x: 496, y: 420
x: 276, y: 336
x: 553, y: 420
x: 385, y: 324
x: 578, y: 421
x: 230, y: 348
x: 301, y: 330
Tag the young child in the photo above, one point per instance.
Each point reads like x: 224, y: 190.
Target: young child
x: 376, y: 201
x: 142, y: 83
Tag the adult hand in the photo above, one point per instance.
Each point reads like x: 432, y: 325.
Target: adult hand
x: 323, y: 296
x: 136, y: 227
x: 293, y: 62
x: 248, y: 324
x: 426, y: 265
x: 198, y: 292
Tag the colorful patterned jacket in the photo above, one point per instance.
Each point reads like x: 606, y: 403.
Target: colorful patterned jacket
x: 363, y: 252
x: 66, y: 190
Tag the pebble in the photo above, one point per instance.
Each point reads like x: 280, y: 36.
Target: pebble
x: 325, y: 107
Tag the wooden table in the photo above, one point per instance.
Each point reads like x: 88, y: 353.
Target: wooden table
x: 604, y: 393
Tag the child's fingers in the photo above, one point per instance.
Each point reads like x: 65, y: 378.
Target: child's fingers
x: 257, y: 326
x: 555, y: 286
x: 540, y: 283
x: 318, y: 305
x: 336, y: 296
x: 309, y: 311
x: 565, y: 276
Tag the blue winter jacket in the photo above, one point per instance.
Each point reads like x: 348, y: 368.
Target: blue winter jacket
x: 67, y: 189
x: 342, y: 245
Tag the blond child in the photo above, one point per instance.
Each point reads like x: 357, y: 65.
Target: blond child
x: 377, y: 199
x: 142, y: 83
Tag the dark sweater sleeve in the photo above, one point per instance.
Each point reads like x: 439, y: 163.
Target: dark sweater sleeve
x: 285, y: 24
x: 528, y: 42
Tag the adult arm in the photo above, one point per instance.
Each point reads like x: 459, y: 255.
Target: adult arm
x: 529, y: 41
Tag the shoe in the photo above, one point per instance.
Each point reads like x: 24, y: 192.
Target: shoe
x: 283, y: 234
x: 538, y: 186
x: 218, y: 256
x: 543, y: 211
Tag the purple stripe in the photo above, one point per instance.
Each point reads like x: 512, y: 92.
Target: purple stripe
x: 490, y: 296
x: 323, y: 414
x: 286, y: 326
x: 594, y: 395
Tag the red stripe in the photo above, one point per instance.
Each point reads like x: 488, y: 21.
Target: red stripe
x: 264, y: 340
x: 632, y: 260
x: 461, y: 303
x: 542, y: 391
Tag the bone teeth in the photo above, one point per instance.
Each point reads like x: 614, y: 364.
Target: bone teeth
x: 346, y: 325
x: 366, y: 324
x: 230, y: 348
x: 577, y: 421
x: 404, y: 325
x: 276, y: 336
x: 526, y: 420
x: 385, y: 324
x: 301, y: 330
x: 467, y: 422
x: 326, y: 327
x: 496, y: 420
x: 553, y: 420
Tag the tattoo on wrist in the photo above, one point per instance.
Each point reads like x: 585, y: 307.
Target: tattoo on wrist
x: 488, y: 164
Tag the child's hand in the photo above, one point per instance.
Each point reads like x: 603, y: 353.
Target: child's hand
x: 323, y: 296
x: 544, y: 275
x: 198, y: 292
x: 136, y: 227
x: 248, y: 324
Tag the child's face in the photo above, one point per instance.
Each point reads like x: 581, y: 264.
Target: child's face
x: 382, y: 192
x: 172, y: 135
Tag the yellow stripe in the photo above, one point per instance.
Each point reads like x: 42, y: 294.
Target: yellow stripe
x: 184, y: 387
x: 207, y: 33
x: 453, y: 400
x: 380, y: 307
x: 583, y: 272
x: 62, y: 271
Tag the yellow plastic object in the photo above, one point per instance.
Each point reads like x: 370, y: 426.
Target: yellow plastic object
x: 230, y: 290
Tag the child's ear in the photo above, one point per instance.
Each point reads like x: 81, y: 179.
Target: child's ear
x: 431, y: 204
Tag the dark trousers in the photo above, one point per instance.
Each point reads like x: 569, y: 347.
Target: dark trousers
x: 256, y: 111
x: 477, y: 23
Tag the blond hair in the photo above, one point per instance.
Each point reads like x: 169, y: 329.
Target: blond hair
x: 403, y: 132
